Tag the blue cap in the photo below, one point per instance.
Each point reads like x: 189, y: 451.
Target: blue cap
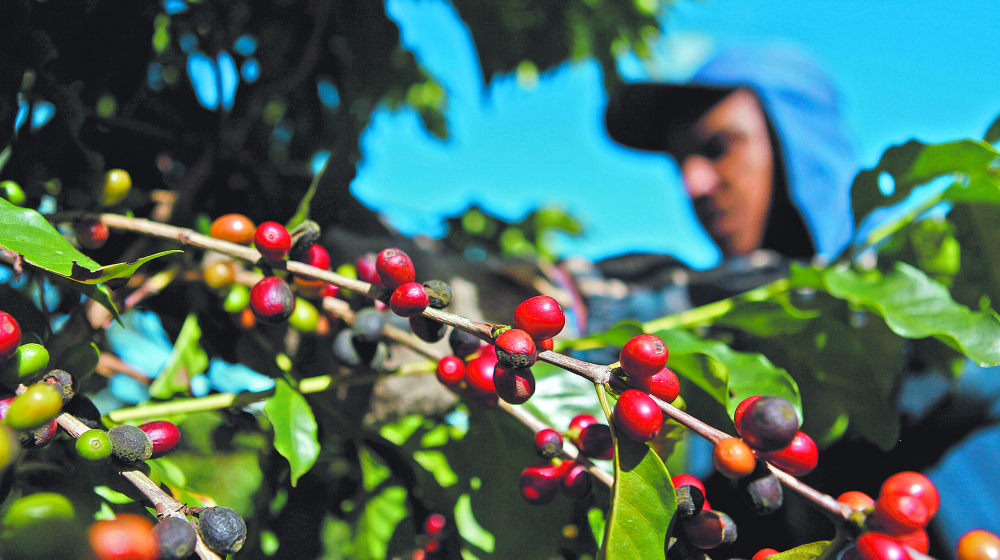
x: 801, y: 104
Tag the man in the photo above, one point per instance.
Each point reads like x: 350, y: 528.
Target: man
x: 763, y: 154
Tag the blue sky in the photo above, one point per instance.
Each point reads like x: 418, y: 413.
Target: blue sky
x: 906, y: 69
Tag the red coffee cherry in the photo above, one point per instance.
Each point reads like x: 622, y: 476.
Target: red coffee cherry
x: 576, y: 483
x: 450, y: 371
x: 643, y: 356
x: 541, y: 317
x: 898, y: 514
x: 235, y: 228
x: 91, y: 233
x: 768, y: 424
x: 271, y: 300
x: 409, y: 299
x: 479, y: 375
x: 857, y: 500
x: 515, y: 349
x: 595, y: 441
x: 637, y: 416
x: 545, y: 344
x: 273, y: 241
x: 579, y: 422
x: 913, y: 484
x: 733, y: 458
x: 164, y: 435
x: 126, y: 537
x: 664, y: 385
x: 917, y: 540
x: 10, y: 336
x: 548, y: 443
x: 764, y: 553
x: 679, y: 480
x: 978, y: 544
x: 515, y: 386
x: 434, y: 524
x: 316, y: 256
x: 540, y: 482
x: 365, y: 268
x: 798, y: 459
x: 394, y: 268
x: 878, y: 546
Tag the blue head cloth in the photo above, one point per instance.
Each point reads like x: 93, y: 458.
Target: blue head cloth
x: 801, y: 104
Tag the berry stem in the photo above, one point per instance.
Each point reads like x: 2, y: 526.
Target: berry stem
x: 602, y: 396
x: 165, y: 504
x: 706, y: 313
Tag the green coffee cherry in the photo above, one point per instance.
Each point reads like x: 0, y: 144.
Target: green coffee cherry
x: 13, y: 192
x: 36, y: 406
x: 94, y: 445
x: 28, y: 361
x: 10, y: 446
x: 304, y: 317
x: 237, y: 299
x: 38, y: 507
x: 130, y: 444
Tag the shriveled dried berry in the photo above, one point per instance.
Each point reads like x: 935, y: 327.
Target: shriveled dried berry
x: 176, y: 538
x: 130, y: 444
x: 439, y: 292
x: 222, y: 530
x: 762, y: 491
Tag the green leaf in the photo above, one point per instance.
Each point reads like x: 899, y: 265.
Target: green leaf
x: 294, y: 428
x: 378, y: 521
x: 302, y: 212
x: 29, y: 234
x: 113, y: 496
x: 186, y: 359
x: 112, y: 271
x: 374, y: 470
x: 437, y: 464
x: 914, y: 306
x: 767, y: 318
x: 993, y: 133
x: 725, y: 374
x: 642, y: 507
x: 916, y: 163
x: 804, y: 552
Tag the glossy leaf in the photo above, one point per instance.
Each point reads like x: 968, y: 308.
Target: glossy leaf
x: 294, y: 428
x: 28, y: 233
x: 914, y: 306
x: 767, y: 318
x: 186, y: 359
x: 993, y: 133
x: 112, y: 271
x: 804, y: 552
x: 642, y: 507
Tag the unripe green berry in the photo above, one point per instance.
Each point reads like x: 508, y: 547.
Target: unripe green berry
x: 28, y: 360
x: 304, y: 317
x: 38, y: 507
x: 12, y: 192
x: 237, y: 299
x: 222, y: 530
x: 130, y: 444
x: 94, y: 445
x: 36, y: 406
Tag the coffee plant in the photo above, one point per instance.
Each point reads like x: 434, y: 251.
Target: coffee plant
x: 260, y: 369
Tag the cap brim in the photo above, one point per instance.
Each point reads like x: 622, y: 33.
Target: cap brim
x: 643, y: 115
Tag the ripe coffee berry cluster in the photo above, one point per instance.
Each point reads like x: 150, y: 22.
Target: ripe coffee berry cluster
x: 906, y: 503
x: 431, y: 542
x: 770, y: 426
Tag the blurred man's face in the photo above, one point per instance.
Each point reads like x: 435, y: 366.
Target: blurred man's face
x: 728, y: 170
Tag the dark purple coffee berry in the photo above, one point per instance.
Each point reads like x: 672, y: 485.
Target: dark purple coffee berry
x: 577, y: 482
x: 368, y: 325
x: 709, y: 529
x: 762, y: 491
x: 427, y: 329
x: 463, y: 344
x: 271, y: 300
x: 769, y: 424
x: 176, y: 538
x: 515, y: 386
